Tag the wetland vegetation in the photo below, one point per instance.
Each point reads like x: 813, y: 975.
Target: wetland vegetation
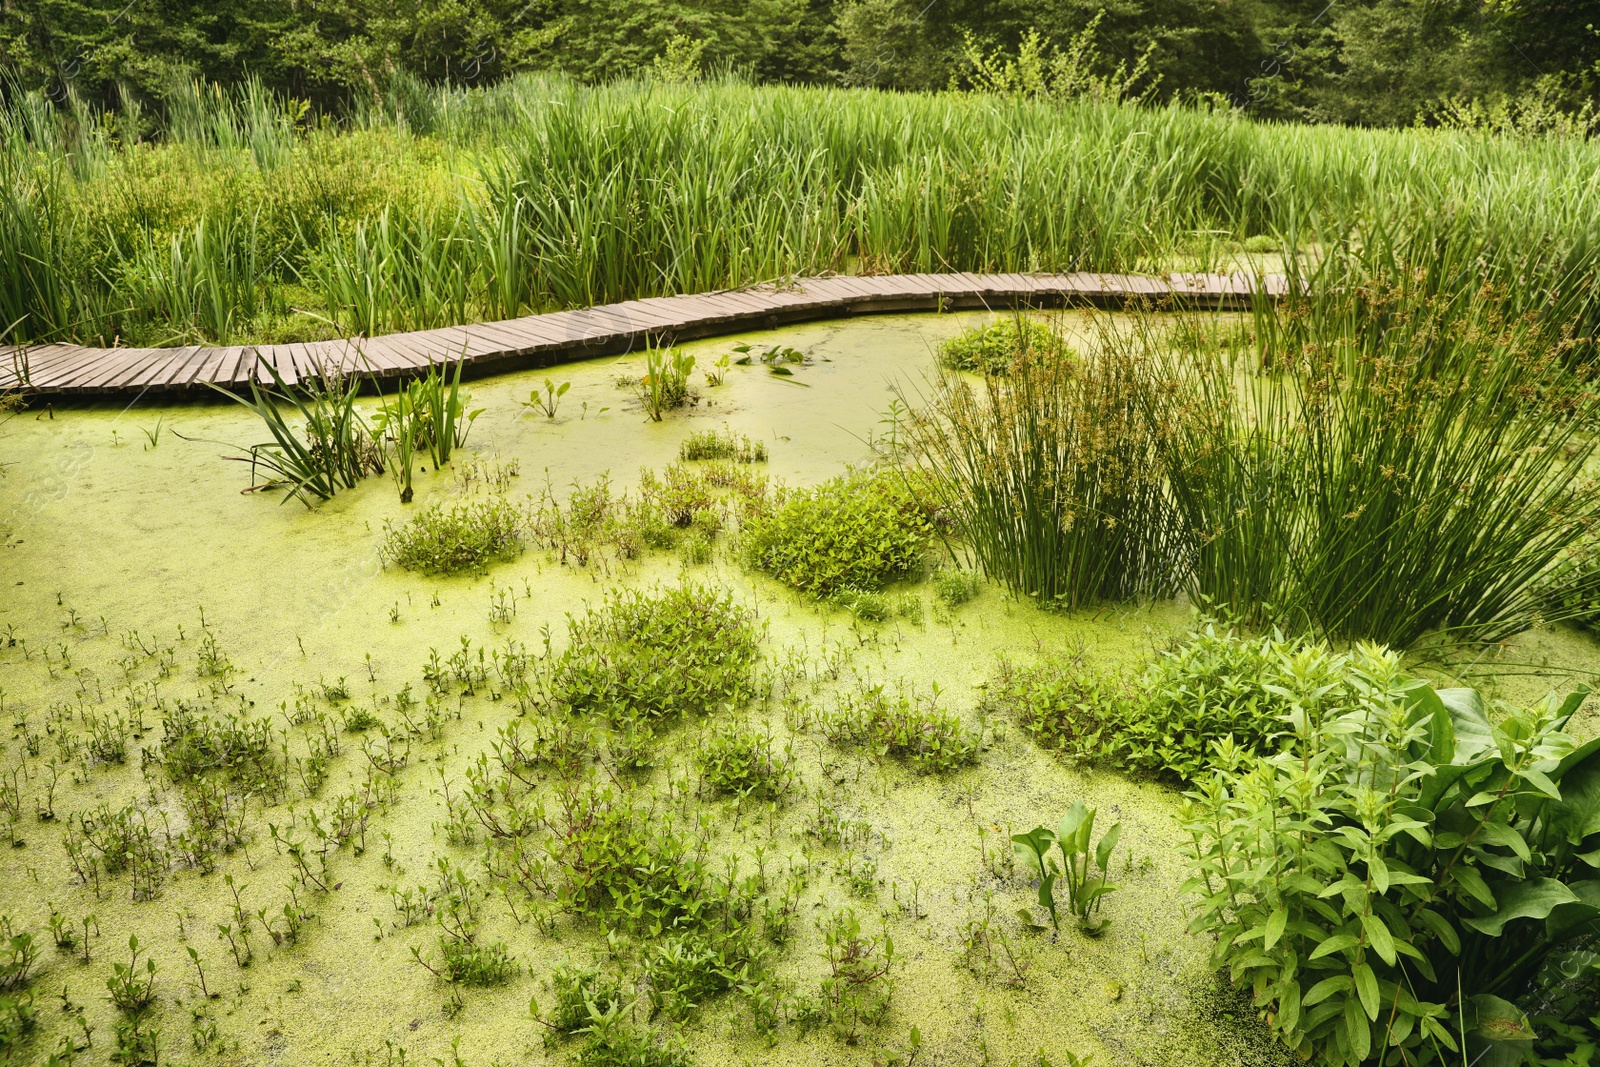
x: 1003, y: 688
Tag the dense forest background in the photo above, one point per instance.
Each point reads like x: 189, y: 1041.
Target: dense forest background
x: 1366, y: 62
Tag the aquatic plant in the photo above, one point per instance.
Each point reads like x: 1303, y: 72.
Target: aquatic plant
x: 931, y: 740
x: 745, y: 762
x: 463, y: 537
x: 722, y: 444
x: 336, y: 450
x: 1164, y: 720
x: 1401, y: 880
x: 859, y: 532
x: 1086, y: 891
x: 1403, y: 457
x: 551, y: 399
x: 859, y: 986
x: 1053, y: 477
x: 954, y: 587
x: 660, y: 654
x: 665, y: 384
x: 994, y: 348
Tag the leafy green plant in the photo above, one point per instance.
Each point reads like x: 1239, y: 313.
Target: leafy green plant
x: 547, y: 403
x: 1086, y: 891
x: 1210, y: 685
x: 463, y: 537
x: 663, y: 654
x: 132, y: 991
x: 1054, y: 477
x: 722, y: 444
x: 857, y: 532
x: 336, y: 450
x: 745, y: 762
x: 994, y: 348
x: 857, y: 990
x: 665, y: 385
x: 1392, y: 884
x: 954, y: 587
x: 931, y: 740
x: 18, y: 954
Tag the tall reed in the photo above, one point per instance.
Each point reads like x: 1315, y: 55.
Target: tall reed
x: 1052, y: 476
x: 1390, y: 463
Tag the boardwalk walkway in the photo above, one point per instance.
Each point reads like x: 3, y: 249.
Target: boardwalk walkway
x: 541, y: 340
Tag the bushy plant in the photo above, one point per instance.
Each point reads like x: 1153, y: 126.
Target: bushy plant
x: 463, y: 537
x: 1573, y: 587
x: 1388, y: 463
x: 954, y: 587
x: 663, y: 654
x: 745, y: 762
x: 1212, y: 684
x: 475, y: 963
x: 722, y: 444
x: 1053, y: 476
x: 994, y: 348
x: 859, y: 531
x: 900, y: 728
x: 1392, y: 885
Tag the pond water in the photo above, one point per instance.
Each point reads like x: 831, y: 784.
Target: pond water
x: 112, y: 545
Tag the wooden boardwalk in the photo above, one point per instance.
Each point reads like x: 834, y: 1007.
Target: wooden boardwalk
x: 541, y: 340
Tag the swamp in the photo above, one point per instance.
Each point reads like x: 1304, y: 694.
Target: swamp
x: 1153, y: 683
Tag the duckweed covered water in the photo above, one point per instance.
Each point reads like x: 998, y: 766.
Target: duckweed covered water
x: 113, y: 547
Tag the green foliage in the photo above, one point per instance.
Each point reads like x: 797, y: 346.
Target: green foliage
x: 471, y: 962
x: 336, y: 450
x: 665, y: 384
x: 994, y: 348
x: 856, y: 532
x: 18, y: 954
x: 132, y: 987
x: 931, y: 740
x: 857, y: 990
x: 954, y: 587
x: 723, y: 444
x: 244, y: 750
x: 17, y: 1021
x: 1404, y: 466
x: 1399, y: 876
x: 745, y: 762
x: 676, y: 652
x: 1053, y: 476
x: 463, y: 537
x: 1573, y: 587
x: 1086, y: 891
x: 1211, y: 685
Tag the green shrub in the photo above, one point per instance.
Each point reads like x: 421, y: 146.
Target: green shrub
x: 742, y: 761
x: 574, y: 990
x: 929, y: 739
x: 472, y: 963
x: 683, y: 651
x: 868, y: 607
x: 856, y: 532
x: 723, y: 444
x: 17, y: 1021
x: 1212, y: 685
x: 954, y: 587
x: 995, y: 348
x: 1393, y: 885
x: 464, y: 537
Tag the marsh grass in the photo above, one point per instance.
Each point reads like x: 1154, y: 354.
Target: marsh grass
x: 334, y: 449
x: 463, y: 537
x: 1053, y: 476
x: 537, y: 193
x: 992, y: 349
x: 1393, y: 462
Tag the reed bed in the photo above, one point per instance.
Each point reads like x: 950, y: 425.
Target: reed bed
x: 244, y: 219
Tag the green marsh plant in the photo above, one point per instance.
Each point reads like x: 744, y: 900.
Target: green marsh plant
x: 665, y: 384
x: 1074, y: 838
x: 333, y: 450
x: 1402, y: 882
x: 1053, y: 477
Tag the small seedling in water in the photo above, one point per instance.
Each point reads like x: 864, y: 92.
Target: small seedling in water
x: 547, y: 403
x: 153, y: 435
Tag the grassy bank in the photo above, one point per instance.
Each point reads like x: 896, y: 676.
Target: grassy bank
x: 248, y: 220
